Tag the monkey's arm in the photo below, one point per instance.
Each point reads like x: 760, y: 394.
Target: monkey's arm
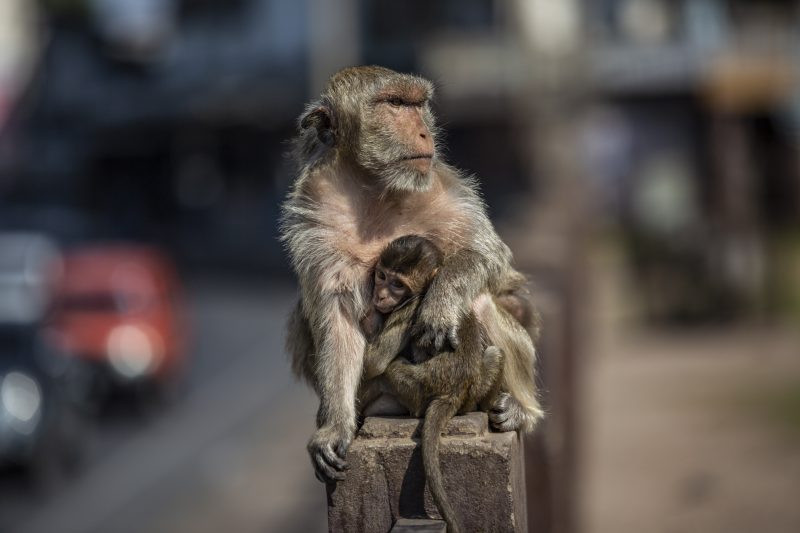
x: 371, y: 323
x: 337, y: 374
x: 389, y: 341
x: 463, y: 276
x: 481, y: 262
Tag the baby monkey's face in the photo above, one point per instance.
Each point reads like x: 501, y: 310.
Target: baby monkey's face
x: 391, y: 289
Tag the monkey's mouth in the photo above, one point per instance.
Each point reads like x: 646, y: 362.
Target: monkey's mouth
x: 414, y: 157
x: 383, y: 308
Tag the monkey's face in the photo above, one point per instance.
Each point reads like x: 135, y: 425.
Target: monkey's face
x: 396, y: 136
x: 380, y: 120
x: 390, y: 291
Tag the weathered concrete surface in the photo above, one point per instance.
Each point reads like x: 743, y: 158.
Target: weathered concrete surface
x: 419, y: 525
x: 483, y: 476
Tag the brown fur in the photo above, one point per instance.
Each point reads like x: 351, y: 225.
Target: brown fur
x: 356, y: 192
x: 451, y: 382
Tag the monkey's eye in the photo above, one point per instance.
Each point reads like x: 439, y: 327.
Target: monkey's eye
x: 395, y: 101
x: 380, y: 275
x: 396, y: 284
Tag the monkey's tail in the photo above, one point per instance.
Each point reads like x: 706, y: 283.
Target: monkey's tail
x: 439, y: 412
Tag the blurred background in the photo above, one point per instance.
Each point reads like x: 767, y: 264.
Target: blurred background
x: 639, y: 156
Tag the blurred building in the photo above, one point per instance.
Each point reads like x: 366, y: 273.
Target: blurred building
x: 676, y: 122
x: 696, y: 134
x: 163, y: 121
x: 167, y: 120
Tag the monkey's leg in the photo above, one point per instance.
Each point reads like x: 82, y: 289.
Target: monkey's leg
x: 375, y: 399
x: 517, y: 304
x: 492, y: 366
x: 389, y: 341
x: 408, y: 383
x: 515, y: 404
x: 386, y: 405
x: 368, y: 392
x: 337, y: 376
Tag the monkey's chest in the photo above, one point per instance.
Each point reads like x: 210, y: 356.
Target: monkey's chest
x: 359, y: 231
x: 364, y: 240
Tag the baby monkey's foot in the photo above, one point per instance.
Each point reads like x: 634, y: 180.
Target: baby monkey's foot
x: 492, y: 356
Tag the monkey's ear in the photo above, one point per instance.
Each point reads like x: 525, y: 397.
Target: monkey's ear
x: 321, y: 119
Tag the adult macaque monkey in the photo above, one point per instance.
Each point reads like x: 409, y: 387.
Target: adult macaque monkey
x: 368, y: 172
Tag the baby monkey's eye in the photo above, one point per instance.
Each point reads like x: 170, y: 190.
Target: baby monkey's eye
x: 380, y: 275
x: 396, y: 284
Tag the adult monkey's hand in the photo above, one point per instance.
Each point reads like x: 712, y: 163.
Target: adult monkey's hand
x: 462, y: 277
x: 339, y: 364
x: 327, y: 448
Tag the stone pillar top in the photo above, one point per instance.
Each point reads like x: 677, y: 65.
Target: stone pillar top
x: 403, y: 427
x: 385, y: 486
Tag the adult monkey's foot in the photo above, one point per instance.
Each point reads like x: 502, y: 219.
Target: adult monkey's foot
x: 328, y: 448
x: 507, y: 414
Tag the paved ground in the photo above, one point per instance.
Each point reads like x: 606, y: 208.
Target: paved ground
x: 229, y: 454
x: 688, y: 431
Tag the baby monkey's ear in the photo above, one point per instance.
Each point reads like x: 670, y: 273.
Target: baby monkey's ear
x: 320, y: 118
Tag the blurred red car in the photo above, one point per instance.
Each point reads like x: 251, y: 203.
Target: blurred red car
x: 117, y: 308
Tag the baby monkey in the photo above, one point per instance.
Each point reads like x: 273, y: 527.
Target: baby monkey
x: 450, y: 382
x: 404, y: 270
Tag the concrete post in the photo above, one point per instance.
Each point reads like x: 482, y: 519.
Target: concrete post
x: 483, y: 476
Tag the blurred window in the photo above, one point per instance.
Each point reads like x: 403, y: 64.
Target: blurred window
x: 392, y: 30
x: 640, y: 22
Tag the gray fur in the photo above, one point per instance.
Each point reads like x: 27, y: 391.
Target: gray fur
x: 350, y: 198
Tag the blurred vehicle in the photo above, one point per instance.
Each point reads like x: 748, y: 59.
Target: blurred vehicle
x: 41, y: 422
x: 29, y: 266
x: 42, y: 416
x: 117, y: 310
